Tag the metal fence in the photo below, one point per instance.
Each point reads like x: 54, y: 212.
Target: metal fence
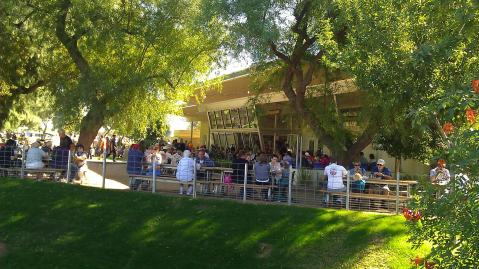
x: 238, y: 180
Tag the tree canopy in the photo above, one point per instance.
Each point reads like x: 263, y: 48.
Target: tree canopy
x: 118, y: 58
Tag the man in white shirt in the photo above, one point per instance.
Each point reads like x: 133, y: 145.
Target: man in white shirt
x: 335, y: 174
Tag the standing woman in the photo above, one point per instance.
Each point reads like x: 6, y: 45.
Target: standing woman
x: 261, y: 172
x: 185, y: 172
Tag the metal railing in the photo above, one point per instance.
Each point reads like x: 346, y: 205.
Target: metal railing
x: 237, y: 180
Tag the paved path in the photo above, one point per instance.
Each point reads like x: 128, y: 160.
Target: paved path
x: 95, y: 180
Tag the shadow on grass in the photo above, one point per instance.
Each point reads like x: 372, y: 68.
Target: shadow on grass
x: 46, y: 225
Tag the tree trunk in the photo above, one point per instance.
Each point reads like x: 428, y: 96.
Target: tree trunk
x: 90, y: 126
x: 6, y: 103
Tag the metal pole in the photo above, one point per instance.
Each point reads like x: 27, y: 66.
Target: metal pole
x: 290, y: 180
x: 348, y: 183
x: 297, y: 152
x: 153, y: 183
x: 397, y: 193
x: 103, y: 170
x: 300, y: 154
x: 245, y: 180
x: 22, y: 170
x: 69, y: 168
x: 194, y: 178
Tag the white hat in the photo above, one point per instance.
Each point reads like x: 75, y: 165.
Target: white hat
x: 186, y: 153
x: 381, y: 161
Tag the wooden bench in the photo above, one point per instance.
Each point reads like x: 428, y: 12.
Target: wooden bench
x: 146, y: 180
x: 53, y: 173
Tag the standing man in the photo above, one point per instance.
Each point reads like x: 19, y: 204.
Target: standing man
x: 335, y: 174
x: 113, y: 147
x: 65, y: 140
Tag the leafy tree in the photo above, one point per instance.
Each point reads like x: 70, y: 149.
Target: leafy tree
x: 445, y: 56
x: 124, y: 63
x: 22, y: 54
x: 32, y: 110
x: 294, y: 43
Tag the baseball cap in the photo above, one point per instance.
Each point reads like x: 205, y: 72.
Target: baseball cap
x: 381, y: 161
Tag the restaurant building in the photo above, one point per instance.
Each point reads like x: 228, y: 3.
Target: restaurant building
x: 227, y: 118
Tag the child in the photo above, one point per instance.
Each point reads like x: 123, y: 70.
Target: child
x: 80, y: 161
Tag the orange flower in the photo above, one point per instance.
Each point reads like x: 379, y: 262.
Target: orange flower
x: 475, y: 85
x: 417, y: 261
x: 448, y: 128
x: 470, y: 115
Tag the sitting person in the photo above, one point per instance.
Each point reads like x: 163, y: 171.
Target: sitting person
x: 185, y: 172
x: 35, y: 157
x: 7, y: 154
x: 203, y: 159
x: 201, y: 162
x: 59, y: 158
x: 371, y: 162
x: 134, y: 164
x: 358, y: 175
x: 79, y: 159
x: 382, y: 172
x: 238, y: 166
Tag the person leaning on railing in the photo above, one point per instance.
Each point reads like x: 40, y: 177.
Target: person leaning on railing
x: 185, y: 172
x: 335, y: 174
x: 261, y: 172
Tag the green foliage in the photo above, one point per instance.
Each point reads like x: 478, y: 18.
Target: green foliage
x: 78, y: 226
x: 33, y: 111
x: 445, y: 34
x: 124, y: 64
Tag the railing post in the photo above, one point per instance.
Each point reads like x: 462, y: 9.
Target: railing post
x: 397, y: 192
x: 194, y: 178
x: 348, y: 184
x: 69, y: 165
x: 290, y: 181
x: 103, y: 170
x: 245, y: 181
x: 153, y: 182
x: 22, y: 165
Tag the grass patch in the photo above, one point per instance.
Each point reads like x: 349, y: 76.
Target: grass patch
x: 50, y: 225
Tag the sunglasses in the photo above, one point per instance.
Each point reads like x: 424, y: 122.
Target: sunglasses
x: 357, y: 165
x: 379, y: 164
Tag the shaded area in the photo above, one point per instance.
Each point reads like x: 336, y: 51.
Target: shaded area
x: 47, y: 225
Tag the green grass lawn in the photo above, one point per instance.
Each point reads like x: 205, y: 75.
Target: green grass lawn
x: 51, y: 225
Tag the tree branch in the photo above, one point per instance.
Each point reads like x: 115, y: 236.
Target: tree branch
x: 279, y: 54
x: 70, y: 42
x: 27, y: 90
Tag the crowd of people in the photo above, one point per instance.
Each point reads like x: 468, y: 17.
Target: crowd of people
x: 267, y: 168
x: 41, y: 154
